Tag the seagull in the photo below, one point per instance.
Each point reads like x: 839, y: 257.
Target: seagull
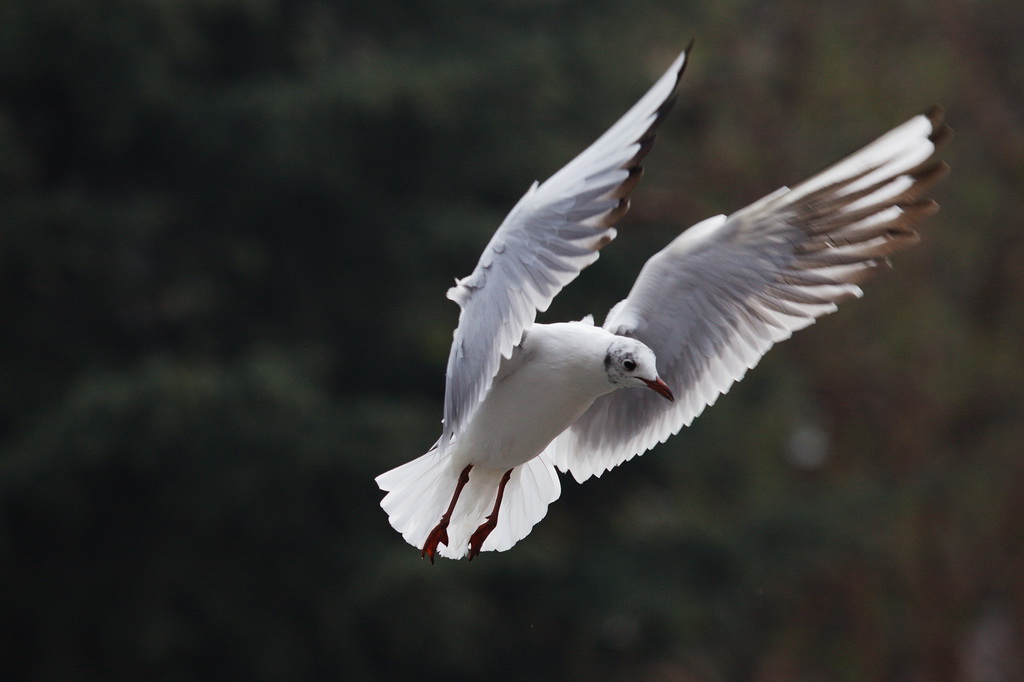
x: 523, y: 399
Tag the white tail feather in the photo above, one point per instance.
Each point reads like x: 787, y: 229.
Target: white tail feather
x: 420, y: 491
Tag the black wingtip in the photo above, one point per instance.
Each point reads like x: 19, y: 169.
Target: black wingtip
x: 662, y: 111
x: 941, y: 133
x: 935, y: 113
x: 686, y: 60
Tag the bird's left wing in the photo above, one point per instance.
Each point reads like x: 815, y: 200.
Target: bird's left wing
x: 713, y: 302
x: 552, y: 233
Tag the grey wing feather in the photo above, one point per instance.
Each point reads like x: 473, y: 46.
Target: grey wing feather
x: 553, y: 233
x: 713, y: 302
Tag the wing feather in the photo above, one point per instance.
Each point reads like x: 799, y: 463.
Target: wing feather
x: 553, y: 233
x: 716, y: 299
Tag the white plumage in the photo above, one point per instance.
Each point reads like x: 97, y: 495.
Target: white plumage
x: 522, y: 398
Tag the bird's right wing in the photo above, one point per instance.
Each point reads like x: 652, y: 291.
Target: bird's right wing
x: 713, y: 302
x: 553, y: 233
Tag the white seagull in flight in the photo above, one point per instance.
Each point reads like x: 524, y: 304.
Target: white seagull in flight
x: 522, y: 398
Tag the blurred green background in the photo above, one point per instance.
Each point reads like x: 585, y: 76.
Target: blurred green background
x: 226, y: 230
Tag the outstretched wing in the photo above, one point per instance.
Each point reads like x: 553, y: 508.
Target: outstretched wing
x: 551, y: 234
x: 713, y: 302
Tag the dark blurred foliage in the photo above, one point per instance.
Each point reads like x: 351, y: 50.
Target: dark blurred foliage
x: 226, y: 229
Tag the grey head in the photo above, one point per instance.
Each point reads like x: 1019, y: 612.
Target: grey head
x: 629, y: 363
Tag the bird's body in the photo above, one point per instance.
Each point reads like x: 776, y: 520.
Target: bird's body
x: 523, y: 399
x: 551, y: 379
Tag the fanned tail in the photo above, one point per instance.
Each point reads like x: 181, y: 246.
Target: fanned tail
x: 420, y: 491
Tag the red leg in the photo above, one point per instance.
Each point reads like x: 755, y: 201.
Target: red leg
x: 476, y: 541
x: 440, y: 533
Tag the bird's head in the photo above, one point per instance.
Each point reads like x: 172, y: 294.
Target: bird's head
x: 630, y: 363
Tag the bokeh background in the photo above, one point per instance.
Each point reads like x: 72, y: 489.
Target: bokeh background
x: 226, y: 230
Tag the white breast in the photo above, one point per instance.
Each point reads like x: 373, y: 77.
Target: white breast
x: 550, y: 380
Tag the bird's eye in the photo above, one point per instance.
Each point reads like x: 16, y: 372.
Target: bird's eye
x: 628, y: 365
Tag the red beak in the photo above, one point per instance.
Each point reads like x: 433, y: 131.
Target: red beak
x: 659, y: 387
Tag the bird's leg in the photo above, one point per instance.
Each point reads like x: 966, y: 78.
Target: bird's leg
x: 440, y: 533
x: 476, y: 540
